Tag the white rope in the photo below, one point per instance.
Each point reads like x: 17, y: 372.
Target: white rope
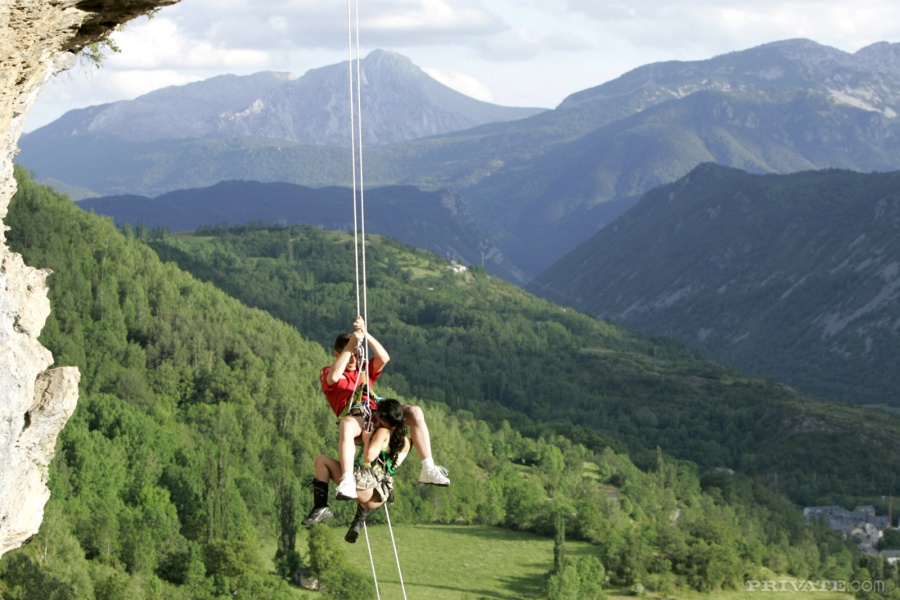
x: 362, y: 187
x: 359, y: 241
x: 353, y: 143
x: 371, y: 560
x: 359, y: 209
x: 394, y: 543
x: 356, y: 151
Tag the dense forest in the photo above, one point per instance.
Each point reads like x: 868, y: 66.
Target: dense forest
x: 481, y: 344
x: 199, y: 418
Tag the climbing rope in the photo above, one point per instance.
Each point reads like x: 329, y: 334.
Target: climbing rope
x: 394, y: 543
x: 359, y: 243
x: 356, y: 150
x: 359, y: 208
x: 372, y: 561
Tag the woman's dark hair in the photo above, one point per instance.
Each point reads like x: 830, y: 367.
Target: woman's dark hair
x: 390, y: 412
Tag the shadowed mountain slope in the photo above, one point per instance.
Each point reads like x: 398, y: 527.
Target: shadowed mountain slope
x: 794, y: 277
x: 436, y: 221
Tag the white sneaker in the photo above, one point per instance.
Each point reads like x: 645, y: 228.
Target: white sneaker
x: 434, y: 476
x: 346, y: 490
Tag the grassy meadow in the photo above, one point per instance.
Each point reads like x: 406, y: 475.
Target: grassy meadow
x: 450, y: 562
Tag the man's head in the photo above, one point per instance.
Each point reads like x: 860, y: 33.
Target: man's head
x: 340, y: 343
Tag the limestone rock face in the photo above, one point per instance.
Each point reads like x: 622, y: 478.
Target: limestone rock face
x: 37, y: 38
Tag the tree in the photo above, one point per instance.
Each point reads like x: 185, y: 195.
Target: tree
x: 890, y: 540
x: 329, y: 563
x: 580, y: 579
x: 287, y: 559
x: 559, y: 543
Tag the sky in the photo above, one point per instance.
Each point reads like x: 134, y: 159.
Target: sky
x: 509, y: 52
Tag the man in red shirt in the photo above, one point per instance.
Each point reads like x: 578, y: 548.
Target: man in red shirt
x: 348, y: 395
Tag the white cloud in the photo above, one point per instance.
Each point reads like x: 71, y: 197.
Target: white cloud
x: 466, y: 84
x: 160, y: 43
x: 435, y: 16
x: 699, y: 29
x: 313, y: 24
x: 134, y: 83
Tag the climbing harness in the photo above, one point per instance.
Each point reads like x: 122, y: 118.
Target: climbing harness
x: 364, y: 389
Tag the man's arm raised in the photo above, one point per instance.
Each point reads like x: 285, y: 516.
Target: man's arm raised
x: 380, y: 356
x: 343, y: 359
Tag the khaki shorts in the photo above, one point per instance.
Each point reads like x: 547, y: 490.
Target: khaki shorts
x: 372, y: 478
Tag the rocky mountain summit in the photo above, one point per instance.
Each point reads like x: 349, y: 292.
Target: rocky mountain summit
x: 193, y: 110
x: 868, y: 79
x: 399, y: 102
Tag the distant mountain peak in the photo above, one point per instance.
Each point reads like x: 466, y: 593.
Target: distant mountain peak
x: 391, y: 57
x: 881, y: 55
x: 783, y: 65
x: 400, y: 102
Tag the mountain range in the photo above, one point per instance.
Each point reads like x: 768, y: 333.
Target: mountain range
x: 538, y: 186
x: 794, y: 277
x: 400, y: 103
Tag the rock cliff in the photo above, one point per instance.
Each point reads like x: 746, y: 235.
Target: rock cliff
x: 37, y: 38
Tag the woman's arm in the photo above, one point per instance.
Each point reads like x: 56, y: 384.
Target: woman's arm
x: 374, y: 444
x: 401, y: 456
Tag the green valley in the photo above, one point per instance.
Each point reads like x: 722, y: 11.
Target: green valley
x: 199, y: 418
x: 481, y: 344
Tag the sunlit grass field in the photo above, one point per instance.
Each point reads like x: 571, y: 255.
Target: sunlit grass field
x: 444, y: 562
x: 441, y: 561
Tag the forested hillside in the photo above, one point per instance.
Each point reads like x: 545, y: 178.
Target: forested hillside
x: 199, y: 418
x: 793, y: 277
x: 481, y: 344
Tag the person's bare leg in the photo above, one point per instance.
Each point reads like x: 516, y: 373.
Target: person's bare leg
x: 432, y: 474
x: 351, y: 427
x: 327, y: 468
x: 414, y: 417
x: 324, y: 468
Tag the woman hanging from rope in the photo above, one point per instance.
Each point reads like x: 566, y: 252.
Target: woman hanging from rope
x: 346, y: 384
x: 383, y: 451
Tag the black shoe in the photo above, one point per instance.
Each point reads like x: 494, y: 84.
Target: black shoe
x: 356, y: 525
x: 353, y: 532
x: 317, y: 515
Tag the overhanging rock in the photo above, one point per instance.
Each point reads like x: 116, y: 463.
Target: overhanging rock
x: 37, y: 38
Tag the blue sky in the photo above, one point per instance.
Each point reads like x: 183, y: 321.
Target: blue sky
x: 510, y: 52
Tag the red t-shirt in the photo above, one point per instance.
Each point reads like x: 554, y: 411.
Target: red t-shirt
x: 339, y: 394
